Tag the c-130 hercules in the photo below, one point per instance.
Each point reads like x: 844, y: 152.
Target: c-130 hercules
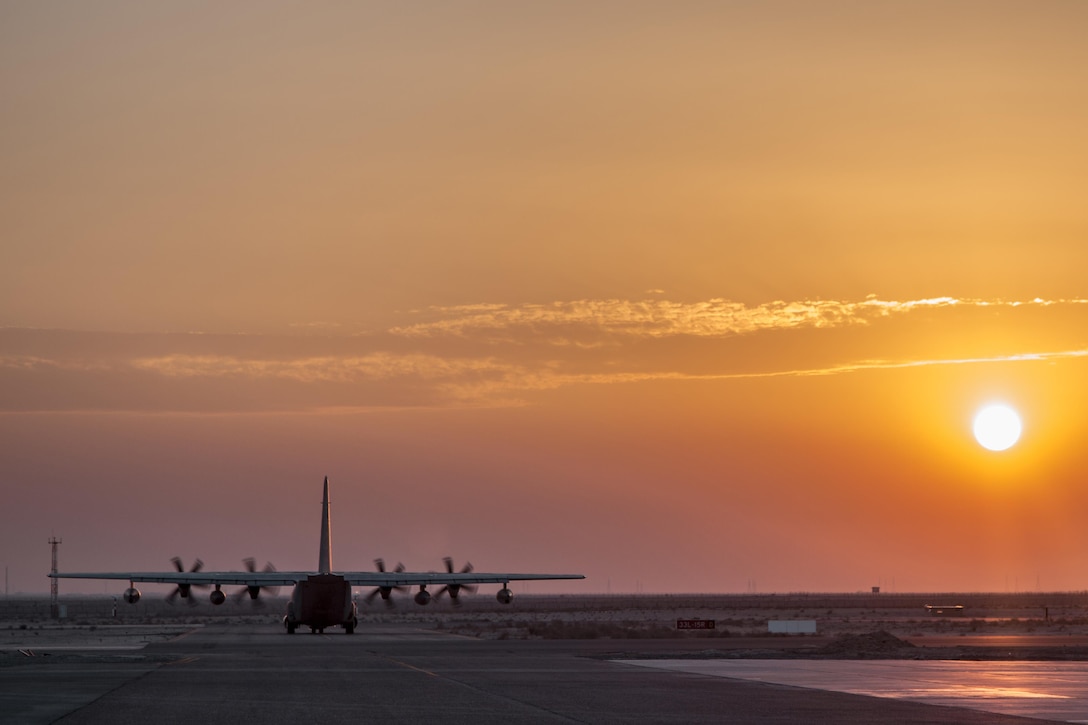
x: 323, y: 598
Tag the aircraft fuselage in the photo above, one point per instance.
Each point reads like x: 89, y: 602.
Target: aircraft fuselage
x: 319, y: 601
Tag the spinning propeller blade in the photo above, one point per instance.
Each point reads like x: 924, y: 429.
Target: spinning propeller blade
x: 185, y: 589
x: 454, y: 590
x: 385, y: 592
x: 254, y: 592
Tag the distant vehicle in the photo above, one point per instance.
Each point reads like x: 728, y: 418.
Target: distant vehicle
x: 323, y: 598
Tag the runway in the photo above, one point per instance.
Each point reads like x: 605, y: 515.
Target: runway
x: 1056, y: 691
x: 402, y: 674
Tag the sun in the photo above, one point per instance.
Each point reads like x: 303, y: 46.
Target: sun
x: 997, y: 427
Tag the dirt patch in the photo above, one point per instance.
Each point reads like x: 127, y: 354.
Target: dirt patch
x: 878, y: 645
x: 871, y: 645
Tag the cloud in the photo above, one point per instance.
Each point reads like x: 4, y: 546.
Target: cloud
x: 334, y: 369
x: 474, y: 378
x: 862, y: 365
x: 661, y: 318
x: 35, y: 362
x: 476, y: 355
x: 551, y: 379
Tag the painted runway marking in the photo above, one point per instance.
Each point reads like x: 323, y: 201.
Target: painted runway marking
x: 1048, y: 690
x: 413, y: 667
x: 191, y: 632
x: 405, y: 665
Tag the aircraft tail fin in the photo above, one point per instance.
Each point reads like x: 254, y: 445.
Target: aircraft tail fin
x: 324, y: 559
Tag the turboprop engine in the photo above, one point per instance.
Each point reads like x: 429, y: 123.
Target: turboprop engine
x: 454, y: 590
x: 253, y: 591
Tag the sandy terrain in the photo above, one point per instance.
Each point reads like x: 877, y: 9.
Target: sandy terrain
x: 1028, y: 625
x: 54, y: 637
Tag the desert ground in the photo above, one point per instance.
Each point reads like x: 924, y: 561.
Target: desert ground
x: 554, y: 659
x: 1007, y: 625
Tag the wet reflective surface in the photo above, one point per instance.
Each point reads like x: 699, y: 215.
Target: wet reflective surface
x: 1046, y: 690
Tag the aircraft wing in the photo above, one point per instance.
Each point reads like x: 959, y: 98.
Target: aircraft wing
x: 410, y: 578
x: 245, y: 578
x: 288, y: 578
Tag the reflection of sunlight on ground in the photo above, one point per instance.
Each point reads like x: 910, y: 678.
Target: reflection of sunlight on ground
x: 961, y: 691
x: 1047, y: 690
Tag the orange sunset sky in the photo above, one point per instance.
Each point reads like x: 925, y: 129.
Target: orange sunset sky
x: 684, y: 296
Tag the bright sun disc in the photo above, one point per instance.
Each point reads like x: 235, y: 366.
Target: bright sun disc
x: 997, y: 427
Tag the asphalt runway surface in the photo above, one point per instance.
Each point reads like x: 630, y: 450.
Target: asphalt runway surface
x: 401, y: 674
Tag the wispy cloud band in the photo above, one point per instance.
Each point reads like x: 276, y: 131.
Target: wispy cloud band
x: 438, y: 363
x: 710, y: 318
x: 378, y: 366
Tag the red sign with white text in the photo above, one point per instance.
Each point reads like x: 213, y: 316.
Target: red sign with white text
x: 695, y: 624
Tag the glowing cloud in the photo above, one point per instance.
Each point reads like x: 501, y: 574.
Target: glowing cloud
x: 378, y: 366
x: 492, y: 354
x: 661, y: 318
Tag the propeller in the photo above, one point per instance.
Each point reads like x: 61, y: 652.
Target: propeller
x: 385, y: 592
x: 454, y: 590
x: 185, y: 589
x: 254, y: 591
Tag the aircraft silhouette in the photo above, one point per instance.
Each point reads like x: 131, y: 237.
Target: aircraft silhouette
x: 323, y: 598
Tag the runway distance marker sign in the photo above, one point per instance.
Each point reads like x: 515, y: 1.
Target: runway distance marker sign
x: 695, y: 624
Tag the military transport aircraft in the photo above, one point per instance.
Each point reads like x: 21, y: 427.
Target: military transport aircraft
x: 323, y: 598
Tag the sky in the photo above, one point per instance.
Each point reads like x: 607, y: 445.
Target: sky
x: 685, y: 296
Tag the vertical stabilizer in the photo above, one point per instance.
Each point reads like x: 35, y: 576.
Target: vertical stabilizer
x: 324, y: 559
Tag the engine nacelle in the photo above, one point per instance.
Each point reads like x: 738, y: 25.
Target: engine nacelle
x: 423, y: 597
x: 131, y: 595
x: 218, y: 597
x: 504, y: 596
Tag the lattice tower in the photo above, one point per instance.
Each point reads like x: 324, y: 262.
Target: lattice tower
x: 54, y: 591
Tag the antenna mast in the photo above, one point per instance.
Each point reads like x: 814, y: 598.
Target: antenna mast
x: 54, y: 604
